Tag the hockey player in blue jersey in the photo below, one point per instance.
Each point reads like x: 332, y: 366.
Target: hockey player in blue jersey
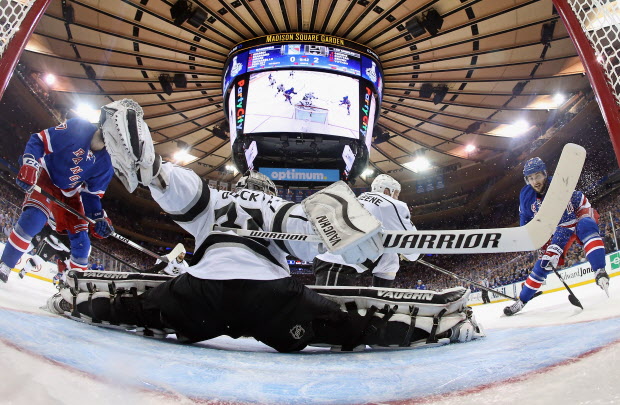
x: 71, y: 162
x: 579, y: 222
x: 288, y: 94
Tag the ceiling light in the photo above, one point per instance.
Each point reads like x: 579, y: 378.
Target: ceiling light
x: 559, y: 99
x: 88, y: 113
x: 418, y: 165
x: 520, y: 127
x: 368, y: 172
x: 49, y: 79
x: 183, y: 157
x: 231, y: 168
x: 470, y: 148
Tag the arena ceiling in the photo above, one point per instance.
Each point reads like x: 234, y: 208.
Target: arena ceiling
x: 500, y: 72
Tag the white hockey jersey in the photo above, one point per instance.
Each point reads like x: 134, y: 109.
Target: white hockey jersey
x: 174, y: 268
x: 224, y: 255
x: 394, y: 216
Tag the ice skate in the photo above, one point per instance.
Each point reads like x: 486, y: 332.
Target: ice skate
x: 602, y: 280
x: 4, y: 272
x: 56, y: 304
x: 514, y: 308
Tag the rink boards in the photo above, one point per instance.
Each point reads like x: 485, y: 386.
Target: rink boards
x: 574, y: 276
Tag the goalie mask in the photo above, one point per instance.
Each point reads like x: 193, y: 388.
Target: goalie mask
x: 128, y: 141
x: 384, y: 181
x: 257, y: 181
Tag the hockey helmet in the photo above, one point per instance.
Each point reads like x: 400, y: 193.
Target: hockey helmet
x: 534, y: 165
x: 383, y: 181
x: 257, y: 181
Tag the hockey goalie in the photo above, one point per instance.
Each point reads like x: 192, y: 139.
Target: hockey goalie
x: 241, y: 286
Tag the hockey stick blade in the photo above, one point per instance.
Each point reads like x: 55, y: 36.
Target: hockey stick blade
x: 524, y: 238
x: 571, y: 297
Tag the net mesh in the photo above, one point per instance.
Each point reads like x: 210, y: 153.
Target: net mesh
x: 12, y: 13
x: 600, y: 21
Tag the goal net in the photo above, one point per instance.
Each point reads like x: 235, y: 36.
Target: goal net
x: 594, y: 28
x: 18, y: 18
x: 311, y: 113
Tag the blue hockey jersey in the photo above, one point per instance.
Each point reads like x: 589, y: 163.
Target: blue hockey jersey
x: 530, y: 202
x: 64, y: 152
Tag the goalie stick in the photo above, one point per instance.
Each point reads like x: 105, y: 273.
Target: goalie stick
x: 499, y: 240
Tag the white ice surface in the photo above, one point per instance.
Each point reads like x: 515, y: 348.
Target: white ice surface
x: 549, y: 353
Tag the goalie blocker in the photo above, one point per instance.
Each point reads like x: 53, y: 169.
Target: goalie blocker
x: 377, y: 317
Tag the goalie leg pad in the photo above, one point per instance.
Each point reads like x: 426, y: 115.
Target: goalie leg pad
x: 79, y: 280
x: 345, y: 227
x: 428, y: 302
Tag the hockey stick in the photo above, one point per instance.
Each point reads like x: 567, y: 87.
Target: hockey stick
x: 456, y: 276
x: 524, y: 238
x: 92, y: 222
x: 571, y: 297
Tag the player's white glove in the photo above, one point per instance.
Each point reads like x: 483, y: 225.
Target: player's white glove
x: 551, y: 257
x: 344, y: 225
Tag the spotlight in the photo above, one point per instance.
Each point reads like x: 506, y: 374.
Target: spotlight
x: 180, y: 12
x: 68, y: 13
x: 520, y: 127
x: 470, y: 148
x: 87, y: 112
x: 197, y: 18
x: 49, y: 79
x: 165, y: 82
x: 473, y: 127
x: 368, y: 173
x: 219, y: 131
x: 90, y: 72
x: 426, y: 90
x: 546, y: 33
x: 432, y: 21
x: 559, y: 99
x: 180, y: 81
x: 414, y: 27
x: 518, y: 89
x: 440, y: 93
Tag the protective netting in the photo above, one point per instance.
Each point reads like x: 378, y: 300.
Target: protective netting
x: 12, y: 13
x: 600, y: 21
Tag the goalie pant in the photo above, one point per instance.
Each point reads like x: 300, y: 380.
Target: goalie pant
x: 394, y: 215
x: 579, y: 223
x: 73, y: 174
x: 282, y: 313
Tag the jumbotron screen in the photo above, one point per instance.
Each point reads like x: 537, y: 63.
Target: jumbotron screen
x: 315, y: 90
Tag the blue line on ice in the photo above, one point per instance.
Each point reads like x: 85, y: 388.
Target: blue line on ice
x: 247, y: 372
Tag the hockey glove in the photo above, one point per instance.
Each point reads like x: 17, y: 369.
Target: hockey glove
x: 102, y: 228
x: 28, y: 173
x: 551, y: 257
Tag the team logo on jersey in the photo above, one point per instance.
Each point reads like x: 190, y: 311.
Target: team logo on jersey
x: 90, y: 156
x: 79, y: 152
x: 76, y: 160
x: 536, y: 205
x: 297, y: 332
x: 74, y: 178
x: 76, y: 169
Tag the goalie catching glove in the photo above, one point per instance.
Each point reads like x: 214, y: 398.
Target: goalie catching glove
x: 345, y: 227
x: 128, y: 141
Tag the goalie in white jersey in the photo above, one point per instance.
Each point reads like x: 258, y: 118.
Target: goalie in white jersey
x: 382, y: 202
x: 241, y: 286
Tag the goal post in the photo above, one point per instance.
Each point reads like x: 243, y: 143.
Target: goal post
x: 594, y: 28
x: 18, y: 19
